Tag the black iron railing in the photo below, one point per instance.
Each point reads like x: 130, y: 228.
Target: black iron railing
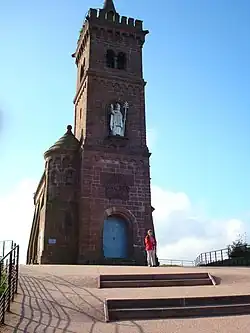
x: 5, y: 247
x: 207, y: 258
x: 175, y: 262
x: 9, y: 272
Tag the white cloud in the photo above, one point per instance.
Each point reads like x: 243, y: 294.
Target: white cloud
x: 16, y: 214
x: 151, y: 138
x: 182, y: 228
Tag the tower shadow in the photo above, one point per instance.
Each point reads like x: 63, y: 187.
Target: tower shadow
x: 54, y: 304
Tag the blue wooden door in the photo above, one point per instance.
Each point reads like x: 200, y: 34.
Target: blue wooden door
x: 115, y: 238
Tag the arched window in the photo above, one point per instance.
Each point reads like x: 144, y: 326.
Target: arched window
x: 50, y: 163
x: 66, y: 162
x: 57, y: 161
x: 69, y: 176
x: 121, y: 61
x: 110, y: 59
x: 53, y: 177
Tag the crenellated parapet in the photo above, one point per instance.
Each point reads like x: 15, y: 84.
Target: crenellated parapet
x: 102, y: 16
x: 101, y: 23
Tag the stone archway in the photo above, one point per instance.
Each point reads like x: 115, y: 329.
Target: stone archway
x: 129, y: 216
x: 133, y: 234
x: 116, y: 238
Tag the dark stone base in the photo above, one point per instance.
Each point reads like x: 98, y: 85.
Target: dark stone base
x: 111, y: 262
x: 119, y: 262
x: 139, y: 258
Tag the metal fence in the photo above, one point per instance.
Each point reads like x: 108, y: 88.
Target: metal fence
x: 174, y: 262
x: 5, y: 247
x: 207, y: 258
x: 9, y: 272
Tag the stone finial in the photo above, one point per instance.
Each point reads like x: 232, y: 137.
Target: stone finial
x: 109, y: 6
x: 69, y: 129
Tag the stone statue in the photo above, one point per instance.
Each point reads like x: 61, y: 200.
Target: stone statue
x: 118, y: 119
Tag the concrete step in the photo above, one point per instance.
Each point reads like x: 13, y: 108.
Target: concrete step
x: 119, y: 262
x: 155, y: 283
x: 154, y: 280
x: 159, y: 276
x: 167, y: 313
x: 136, y: 309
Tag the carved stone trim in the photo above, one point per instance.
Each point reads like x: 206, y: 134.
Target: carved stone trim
x: 115, y: 147
x: 115, y: 141
x: 117, y: 186
x: 118, y: 160
x: 119, y: 192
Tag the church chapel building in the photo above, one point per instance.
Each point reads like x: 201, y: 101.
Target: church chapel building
x: 93, y: 202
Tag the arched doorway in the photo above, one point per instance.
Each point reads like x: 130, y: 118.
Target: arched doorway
x: 115, y: 238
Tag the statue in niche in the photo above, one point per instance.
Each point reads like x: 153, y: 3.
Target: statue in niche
x: 118, y: 119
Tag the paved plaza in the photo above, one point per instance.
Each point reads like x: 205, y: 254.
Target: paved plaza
x: 67, y: 299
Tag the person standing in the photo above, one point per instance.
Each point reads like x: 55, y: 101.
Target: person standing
x: 150, y: 245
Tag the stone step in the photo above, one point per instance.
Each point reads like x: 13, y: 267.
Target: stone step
x: 159, y: 276
x: 167, y: 313
x: 154, y: 280
x: 119, y: 262
x: 136, y: 309
x: 155, y: 283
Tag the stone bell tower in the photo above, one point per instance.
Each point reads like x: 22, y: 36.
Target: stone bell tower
x: 115, y: 199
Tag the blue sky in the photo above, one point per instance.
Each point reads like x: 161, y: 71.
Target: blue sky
x: 196, y: 63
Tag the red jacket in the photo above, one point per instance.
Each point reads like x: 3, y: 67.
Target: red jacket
x: 150, y: 243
